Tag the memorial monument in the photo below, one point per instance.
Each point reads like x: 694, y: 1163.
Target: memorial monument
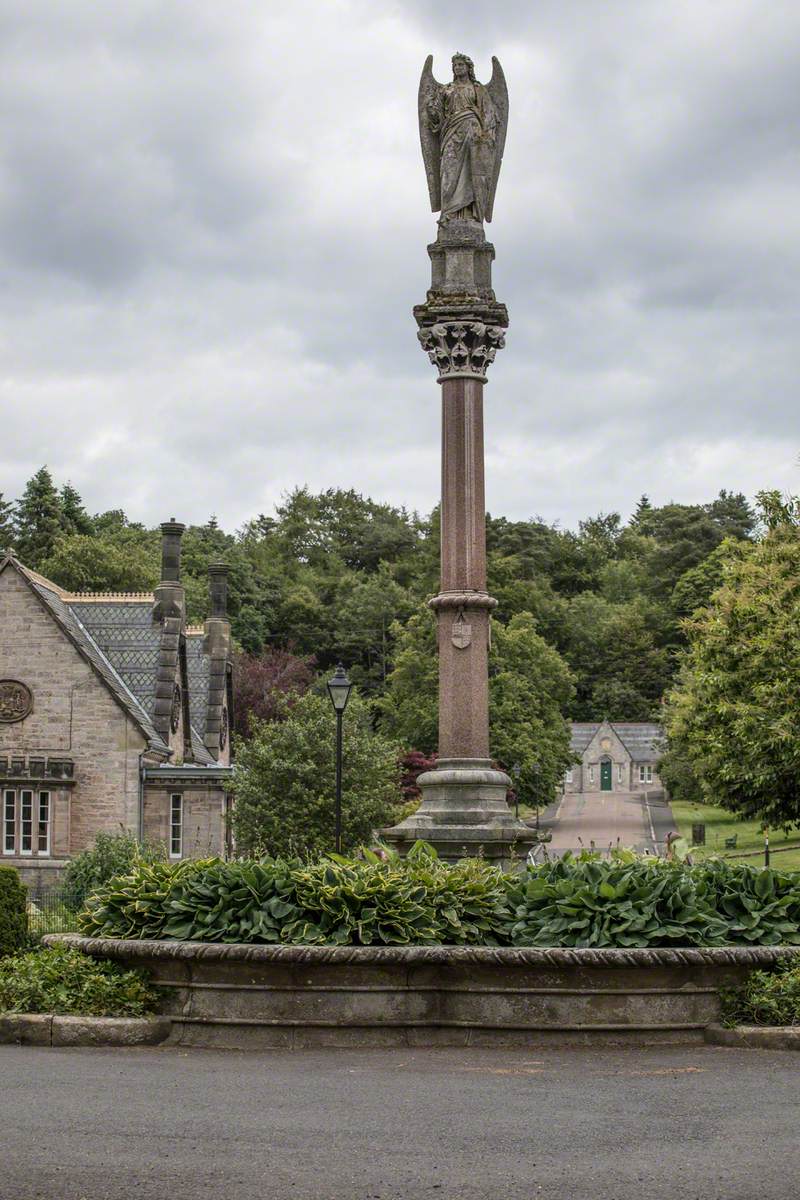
x: 462, y: 325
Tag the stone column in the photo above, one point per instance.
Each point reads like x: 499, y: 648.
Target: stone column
x: 461, y: 327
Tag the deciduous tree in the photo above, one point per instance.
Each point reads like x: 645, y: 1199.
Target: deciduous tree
x: 284, y: 780
x: 733, y: 719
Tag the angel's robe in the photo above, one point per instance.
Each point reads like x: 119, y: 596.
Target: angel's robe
x: 465, y: 118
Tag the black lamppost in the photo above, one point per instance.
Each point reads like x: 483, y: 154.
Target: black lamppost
x: 339, y: 688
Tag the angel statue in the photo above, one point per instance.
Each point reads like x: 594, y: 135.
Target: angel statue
x: 462, y: 127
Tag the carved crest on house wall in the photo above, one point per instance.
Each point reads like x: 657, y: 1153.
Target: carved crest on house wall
x: 175, y: 715
x: 16, y: 701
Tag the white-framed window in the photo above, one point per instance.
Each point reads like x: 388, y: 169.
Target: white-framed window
x: 619, y: 772
x: 43, y: 824
x: 645, y: 772
x: 9, y: 822
x: 568, y: 776
x: 175, y: 825
x: 26, y: 822
x: 591, y: 774
x: 641, y: 772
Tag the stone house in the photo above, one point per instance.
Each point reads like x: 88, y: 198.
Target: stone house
x: 614, y: 756
x: 114, y: 714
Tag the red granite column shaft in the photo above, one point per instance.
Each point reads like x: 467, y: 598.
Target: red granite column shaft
x: 463, y: 628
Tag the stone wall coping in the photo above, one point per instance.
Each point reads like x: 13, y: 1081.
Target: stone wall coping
x: 52, y: 1029
x: 754, y: 1037
x: 500, y: 956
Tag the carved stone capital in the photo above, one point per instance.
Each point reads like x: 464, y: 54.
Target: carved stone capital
x: 457, y: 600
x: 462, y: 349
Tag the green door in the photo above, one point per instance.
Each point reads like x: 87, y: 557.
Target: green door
x: 605, y: 776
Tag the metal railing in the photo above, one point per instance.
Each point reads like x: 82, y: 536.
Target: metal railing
x: 52, y: 910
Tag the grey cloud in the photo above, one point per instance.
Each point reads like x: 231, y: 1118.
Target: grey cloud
x: 214, y: 225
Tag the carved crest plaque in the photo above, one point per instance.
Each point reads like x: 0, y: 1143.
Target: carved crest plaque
x: 16, y: 700
x: 461, y: 633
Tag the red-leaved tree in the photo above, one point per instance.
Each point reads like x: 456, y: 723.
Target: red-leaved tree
x: 412, y: 765
x: 258, y: 679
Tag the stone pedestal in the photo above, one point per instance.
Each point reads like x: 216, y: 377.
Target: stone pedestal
x: 462, y: 326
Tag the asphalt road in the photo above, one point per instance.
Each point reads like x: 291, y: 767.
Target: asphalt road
x: 609, y: 818
x: 695, y: 1123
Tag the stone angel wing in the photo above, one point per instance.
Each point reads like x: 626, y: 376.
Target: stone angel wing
x: 427, y: 104
x: 498, y: 93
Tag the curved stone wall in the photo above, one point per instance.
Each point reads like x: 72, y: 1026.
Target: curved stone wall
x: 258, y: 996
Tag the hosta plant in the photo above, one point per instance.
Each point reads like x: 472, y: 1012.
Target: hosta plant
x: 626, y: 901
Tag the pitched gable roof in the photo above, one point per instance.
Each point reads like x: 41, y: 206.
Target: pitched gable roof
x: 52, y: 597
x: 640, y: 738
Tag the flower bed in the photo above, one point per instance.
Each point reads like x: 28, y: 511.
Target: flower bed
x: 419, y: 952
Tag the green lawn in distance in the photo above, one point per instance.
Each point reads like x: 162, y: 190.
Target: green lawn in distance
x: 721, y: 824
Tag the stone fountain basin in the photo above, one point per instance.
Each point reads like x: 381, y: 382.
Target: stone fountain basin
x: 261, y: 996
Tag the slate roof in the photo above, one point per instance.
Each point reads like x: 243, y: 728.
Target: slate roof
x: 198, y: 671
x: 125, y: 633
x: 640, y: 738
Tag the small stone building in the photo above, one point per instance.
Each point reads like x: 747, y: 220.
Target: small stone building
x: 114, y: 714
x: 614, y: 756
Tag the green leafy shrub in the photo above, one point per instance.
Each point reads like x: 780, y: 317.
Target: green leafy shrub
x: 112, y: 854
x: 61, y: 979
x: 633, y: 901
x: 766, y: 998
x: 619, y: 903
x: 419, y: 900
x: 13, y: 912
x: 627, y: 901
x: 761, y: 906
x: 284, y: 779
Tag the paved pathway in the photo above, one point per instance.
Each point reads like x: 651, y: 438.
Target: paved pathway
x: 701, y: 1123
x: 610, y: 818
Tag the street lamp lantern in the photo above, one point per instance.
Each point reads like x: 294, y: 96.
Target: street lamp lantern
x: 339, y: 688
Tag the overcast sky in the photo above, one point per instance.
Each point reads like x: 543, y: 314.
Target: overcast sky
x: 214, y: 225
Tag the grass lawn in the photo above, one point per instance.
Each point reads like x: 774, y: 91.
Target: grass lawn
x: 721, y: 824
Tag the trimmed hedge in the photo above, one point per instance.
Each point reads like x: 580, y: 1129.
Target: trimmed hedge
x: 13, y: 912
x: 60, y: 979
x: 625, y: 901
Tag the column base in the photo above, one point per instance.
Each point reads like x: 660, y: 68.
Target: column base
x: 464, y: 814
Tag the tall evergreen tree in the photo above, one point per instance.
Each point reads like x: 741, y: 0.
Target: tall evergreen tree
x: 74, y: 517
x: 38, y: 519
x: 6, y: 524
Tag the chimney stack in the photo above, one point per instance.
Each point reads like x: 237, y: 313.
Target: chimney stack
x: 170, y: 595
x: 171, y: 534
x: 217, y: 645
x: 218, y: 588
